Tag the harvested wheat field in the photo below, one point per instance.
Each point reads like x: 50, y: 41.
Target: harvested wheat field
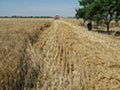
x: 16, y: 38
x: 58, y: 56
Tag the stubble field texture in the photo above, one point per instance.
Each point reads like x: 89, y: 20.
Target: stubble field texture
x: 47, y: 54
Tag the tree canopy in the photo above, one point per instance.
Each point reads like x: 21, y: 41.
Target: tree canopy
x: 99, y: 10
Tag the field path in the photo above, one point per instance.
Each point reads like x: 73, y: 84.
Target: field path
x: 73, y: 56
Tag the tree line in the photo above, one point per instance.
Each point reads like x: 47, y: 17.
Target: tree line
x: 26, y: 16
x: 99, y: 11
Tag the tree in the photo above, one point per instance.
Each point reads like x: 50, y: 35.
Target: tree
x: 100, y: 10
x: 80, y: 13
x: 85, y: 3
x: 117, y: 17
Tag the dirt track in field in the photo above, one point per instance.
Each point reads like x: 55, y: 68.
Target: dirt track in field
x: 74, y: 58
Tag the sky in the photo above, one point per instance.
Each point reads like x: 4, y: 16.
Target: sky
x: 38, y: 7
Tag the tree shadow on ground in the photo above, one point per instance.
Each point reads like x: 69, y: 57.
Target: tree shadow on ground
x: 115, y: 33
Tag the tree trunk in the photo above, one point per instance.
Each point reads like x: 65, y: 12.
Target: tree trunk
x: 89, y: 26
x: 108, y: 26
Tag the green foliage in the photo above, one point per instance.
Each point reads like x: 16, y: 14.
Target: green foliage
x: 99, y: 10
x: 85, y: 2
x: 80, y: 13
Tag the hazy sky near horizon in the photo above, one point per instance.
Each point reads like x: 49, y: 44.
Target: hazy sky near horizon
x: 38, y: 7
